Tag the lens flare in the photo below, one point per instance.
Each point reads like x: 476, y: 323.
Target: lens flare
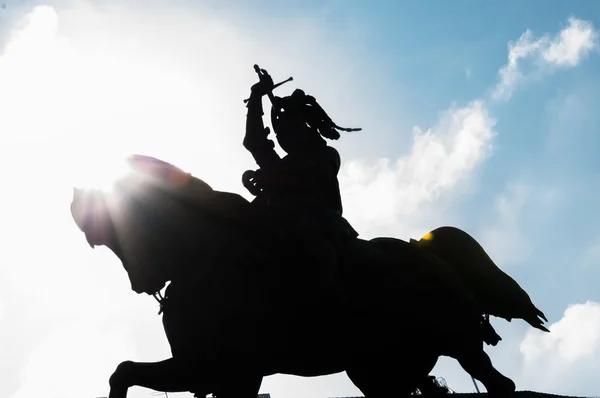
x: 101, y: 174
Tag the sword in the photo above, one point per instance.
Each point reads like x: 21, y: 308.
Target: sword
x: 270, y: 93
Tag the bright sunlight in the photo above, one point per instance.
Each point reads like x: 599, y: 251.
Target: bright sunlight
x: 77, y: 98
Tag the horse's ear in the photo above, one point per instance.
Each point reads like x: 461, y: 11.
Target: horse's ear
x: 76, y: 192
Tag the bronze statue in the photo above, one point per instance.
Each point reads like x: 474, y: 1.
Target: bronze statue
x: 283, y: 284
x: 302, y: 187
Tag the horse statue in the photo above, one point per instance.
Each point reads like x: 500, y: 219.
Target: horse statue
x: 247, y: 297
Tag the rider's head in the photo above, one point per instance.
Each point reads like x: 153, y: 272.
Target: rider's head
x: 299, y: 122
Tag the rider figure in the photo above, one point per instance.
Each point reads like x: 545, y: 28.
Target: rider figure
x: 303, y: 184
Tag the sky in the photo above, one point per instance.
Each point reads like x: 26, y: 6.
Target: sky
x: 481, y: 115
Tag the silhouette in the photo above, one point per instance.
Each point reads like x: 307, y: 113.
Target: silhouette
x: 495, y: 290
x: 247, y: 298
x: 301, y: 190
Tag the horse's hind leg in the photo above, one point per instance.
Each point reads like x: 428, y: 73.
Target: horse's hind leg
x: 478, y: 364
x: 245, y: 385
x: 376, y: 382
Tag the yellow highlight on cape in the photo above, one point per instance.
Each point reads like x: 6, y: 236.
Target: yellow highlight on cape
x: 427, y: 236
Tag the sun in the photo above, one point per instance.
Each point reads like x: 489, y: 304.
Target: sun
x: 101, y: 172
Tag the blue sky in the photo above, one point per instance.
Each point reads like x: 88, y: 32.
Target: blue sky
x: 453, y: 133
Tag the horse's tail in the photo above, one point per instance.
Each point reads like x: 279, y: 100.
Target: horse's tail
x: 440, y: 289
x: 499, y: 294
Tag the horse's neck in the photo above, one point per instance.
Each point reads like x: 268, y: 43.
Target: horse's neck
x: 208, y: 244
x: 228, y: 232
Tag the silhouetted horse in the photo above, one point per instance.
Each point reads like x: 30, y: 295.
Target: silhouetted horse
x: 249, y: 297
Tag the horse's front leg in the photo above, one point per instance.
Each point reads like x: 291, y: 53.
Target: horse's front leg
x: 171, y: 375
x: 479, y: 365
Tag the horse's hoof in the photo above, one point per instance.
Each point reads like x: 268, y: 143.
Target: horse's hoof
x: 504, y: 387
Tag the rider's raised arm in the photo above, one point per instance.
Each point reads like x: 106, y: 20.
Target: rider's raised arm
x: 255, y: 140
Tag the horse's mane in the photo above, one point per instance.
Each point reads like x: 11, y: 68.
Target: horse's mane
x: 162, y: 177
x: 157, y: 189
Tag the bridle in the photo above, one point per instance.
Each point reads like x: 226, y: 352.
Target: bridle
x: 161, y: 301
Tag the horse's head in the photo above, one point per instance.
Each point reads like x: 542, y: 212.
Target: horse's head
x: 135, y: 218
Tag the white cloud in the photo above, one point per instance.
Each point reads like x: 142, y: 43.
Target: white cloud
x: 391, y: 196
x: 510, y: 74
x: 567, y: 49
x: 567, y: 357
x: 383, y: 198
x: 572, y: 44
x: 574, y: 337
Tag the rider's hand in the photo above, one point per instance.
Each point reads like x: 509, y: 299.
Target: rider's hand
x: 264, y: 86
x: 256, y: 181
x: 249, y: 181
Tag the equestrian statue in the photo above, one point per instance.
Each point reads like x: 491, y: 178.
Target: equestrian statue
x: 283, y: 283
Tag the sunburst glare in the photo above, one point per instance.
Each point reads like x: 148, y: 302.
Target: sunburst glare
x: 101, y: 173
